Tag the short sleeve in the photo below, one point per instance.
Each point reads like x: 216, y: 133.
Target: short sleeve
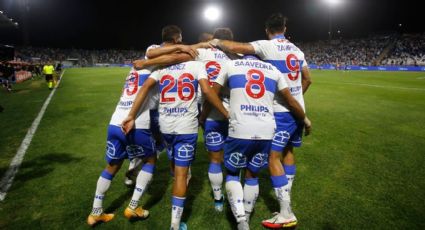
x: 155, y: 75
x: 260, y: 47
x: 222, y: 77
x: 281, y: 82
x: 202, y: 72
x: 201, y: 54
x: 154, y: 46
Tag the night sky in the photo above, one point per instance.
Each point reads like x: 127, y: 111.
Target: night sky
x: 136, y: 24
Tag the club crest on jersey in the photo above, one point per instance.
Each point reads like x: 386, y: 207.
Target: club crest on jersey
x: 237, y: 160
x: 186, y: 152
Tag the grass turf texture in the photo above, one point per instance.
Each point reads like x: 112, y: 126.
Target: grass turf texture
x: 361, y: 168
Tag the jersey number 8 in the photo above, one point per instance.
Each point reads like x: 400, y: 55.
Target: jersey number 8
x: 255, y: 81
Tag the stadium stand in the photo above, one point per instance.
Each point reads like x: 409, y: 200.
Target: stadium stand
x: 385, y: 50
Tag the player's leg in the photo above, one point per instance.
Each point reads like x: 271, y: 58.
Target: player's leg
x: 115, y: 153
x: 288, y: 162
x: 234, y: 161
x: 285, y: 217
x: 143, y: 148
x: 133, y: 171
x: 256, y: 162
x: 183, y: 152
x: 288, y: 157
x: 214, y: 135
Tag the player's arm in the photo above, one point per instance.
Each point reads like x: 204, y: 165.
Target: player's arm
x: 164, y: 60
x: 206, y: 106
x: 233, y: 47
x: 156, y: 52
x: 128, y: 124
x: 212, y: 97
x: 305, y: 78
x: 296, y: 109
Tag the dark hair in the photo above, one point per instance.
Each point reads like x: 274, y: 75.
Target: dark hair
x: 204, y: 37
x: 223, y: 33
x: 169, y: 32
x: 276, y: 23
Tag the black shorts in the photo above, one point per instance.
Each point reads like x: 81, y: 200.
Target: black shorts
x: 49, y: 77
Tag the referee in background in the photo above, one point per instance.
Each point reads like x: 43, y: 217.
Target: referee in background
x: 48, y: 70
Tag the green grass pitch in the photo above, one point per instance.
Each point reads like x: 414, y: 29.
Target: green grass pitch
x: 362, y: 167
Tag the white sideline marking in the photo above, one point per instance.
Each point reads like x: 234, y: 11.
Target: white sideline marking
x: 378, y: 86
x: 420, y: 78
x: 10, y: 174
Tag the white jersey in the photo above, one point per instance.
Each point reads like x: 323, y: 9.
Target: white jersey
x: 253, y: 84
x: 133, y: 83
x: 178, y: 87
x: 289, y: 60
x: 213, y: 60
x: 153, y: 96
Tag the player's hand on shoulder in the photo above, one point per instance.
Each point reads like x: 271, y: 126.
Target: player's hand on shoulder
x: 189, y: 50
x: 139, y: 64
x: 214, y: 42
x: 307, y: 126
x: 127, y: 124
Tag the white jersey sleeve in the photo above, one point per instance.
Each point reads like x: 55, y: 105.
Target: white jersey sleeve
x: 154, y: 46
x: 281, y: 81
x: 261, y: 48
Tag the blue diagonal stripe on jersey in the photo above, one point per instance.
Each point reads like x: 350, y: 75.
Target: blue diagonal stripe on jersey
x: 142, y: 78
x: 281, y: 65
x: 174, y: 89
x: 239, y: 81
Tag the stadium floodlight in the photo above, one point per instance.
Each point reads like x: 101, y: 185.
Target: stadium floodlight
x: 333, y: 3
x: 212, y: 13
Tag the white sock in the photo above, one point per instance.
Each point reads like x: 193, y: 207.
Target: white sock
x: 134, y: 163
x: 282, y: 195
x: 176, y: 211
x: 291, y: 179
x: 216, y: 179
x: 250, y: 195
x: 290, y: 171
x: 103, y: 184
x: 143, y: 179
x: 235, y: 196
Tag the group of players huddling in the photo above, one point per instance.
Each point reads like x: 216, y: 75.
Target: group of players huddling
x: 250, y: 107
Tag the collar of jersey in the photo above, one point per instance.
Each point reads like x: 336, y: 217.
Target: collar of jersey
x: 279, y: 36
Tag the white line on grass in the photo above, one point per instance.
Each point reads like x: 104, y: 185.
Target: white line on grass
x: 10, y: 174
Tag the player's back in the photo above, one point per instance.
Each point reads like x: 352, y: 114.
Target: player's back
x: 178, y: 88
x: 214, y: 60
x: 133, y: 83
x: 252, y: 85
x: 288, y: 59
